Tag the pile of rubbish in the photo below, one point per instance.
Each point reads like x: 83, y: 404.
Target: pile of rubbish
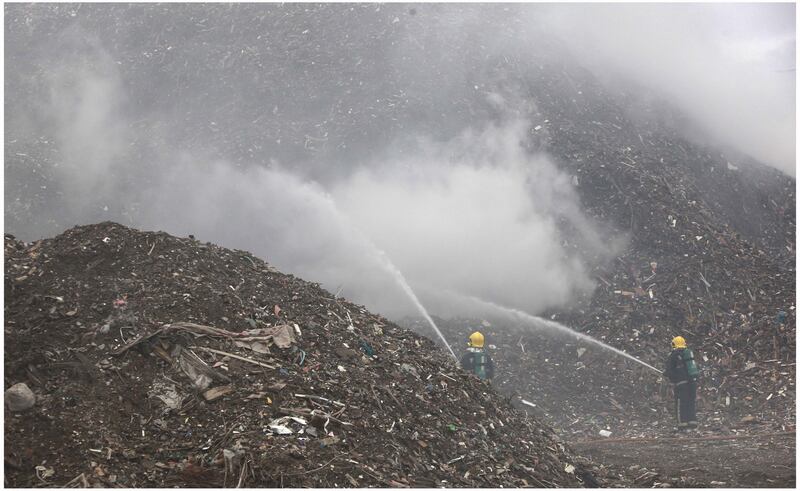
x: 140, y: 359
x: 710, y: 255
x: 731, y: 300
x: 586, y: 392
x: 734, y: 304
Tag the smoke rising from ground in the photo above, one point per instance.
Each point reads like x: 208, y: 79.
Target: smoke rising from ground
x: 478, y: 215
x: 416, y: 136
x: 475, y: 214
x: 479, y: 219
x: 86, y: 107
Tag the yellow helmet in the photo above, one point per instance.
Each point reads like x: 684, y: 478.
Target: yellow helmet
x: 476, y: 340
x: 678, y: 342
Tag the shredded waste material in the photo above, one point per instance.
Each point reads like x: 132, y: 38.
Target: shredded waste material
x: 160, y: 361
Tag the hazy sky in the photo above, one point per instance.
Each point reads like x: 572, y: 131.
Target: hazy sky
x: 729, y: 66
x: 318, y: 135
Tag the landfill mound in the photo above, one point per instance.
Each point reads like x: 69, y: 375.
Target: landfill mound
x: 160, y: 361
x: 710, y: 255
x: 733, y: 302
x: 688, y: 269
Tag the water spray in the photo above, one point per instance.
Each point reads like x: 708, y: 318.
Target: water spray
x: 387, y: 264
x: 407, y: 289
x: 584, y: 337
x: 539, y: 321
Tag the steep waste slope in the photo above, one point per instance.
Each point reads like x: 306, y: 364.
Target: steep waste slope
x: 160, y: 361
x: 727, y: 285
x: 710, y: 256
x: 628, y: 154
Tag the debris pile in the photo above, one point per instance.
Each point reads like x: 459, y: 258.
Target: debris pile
x: 160, y: 361
x: 710, y: 255
x: 687, y: 275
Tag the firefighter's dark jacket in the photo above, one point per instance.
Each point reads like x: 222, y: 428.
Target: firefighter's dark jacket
x: 676, y: 370
x: 468, y: 362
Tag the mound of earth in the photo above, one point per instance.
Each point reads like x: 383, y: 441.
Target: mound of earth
x: 161, y: 361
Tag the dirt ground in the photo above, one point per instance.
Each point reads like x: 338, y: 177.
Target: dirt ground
x: 767, y: 462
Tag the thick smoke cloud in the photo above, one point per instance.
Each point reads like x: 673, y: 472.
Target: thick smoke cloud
x: 417, y: 140
x: 729, y: 67
x: 476, y: 214
x: 86, y: 106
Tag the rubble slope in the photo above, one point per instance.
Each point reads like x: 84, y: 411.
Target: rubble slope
x: 710, y: 254
x: 162, y: 361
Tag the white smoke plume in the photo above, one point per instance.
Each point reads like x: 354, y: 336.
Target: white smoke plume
x: 476, y: 214
x: 472, y: 210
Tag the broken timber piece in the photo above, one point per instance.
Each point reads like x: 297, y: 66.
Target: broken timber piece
x: 217, y: 392
x: 236, y: 357
x: 136, y: 341
x: 158, y: 350
x: 198, y: 371
x: 318, y: 398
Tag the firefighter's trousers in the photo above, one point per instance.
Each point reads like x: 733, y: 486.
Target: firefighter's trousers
x: 685, y: 396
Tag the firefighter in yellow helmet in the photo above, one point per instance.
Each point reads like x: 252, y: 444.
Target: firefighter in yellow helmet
x: 476, y: 360
x: 682, y: 371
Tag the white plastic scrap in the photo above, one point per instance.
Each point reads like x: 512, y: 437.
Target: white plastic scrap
x: 279, y: 427
x: 569, y: 469
x: 43, y: 472
x: 168, y: 394
x: 256, y: 346
x: 605, y: 433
